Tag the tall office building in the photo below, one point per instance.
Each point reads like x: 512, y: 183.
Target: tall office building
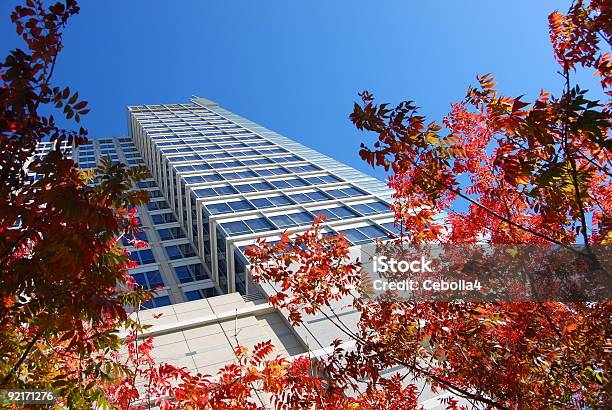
x: 229, y: 181
x: 218, y: 182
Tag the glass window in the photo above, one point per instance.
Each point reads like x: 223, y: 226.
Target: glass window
x: 343, y: 212
x: 272, y: 171
x: 140, y: 280
x: 225, y: 190
x: 190, y: 273
x: 373, y: 232
x: 155, y: 206
x: 259, y: 224
x: 314, y: 180
x: 262, y: 186
x: 280, y: 200
x: 318, y: 196
x: 330, y: 216
x: 173, y: 252
x: 200, y: 294
x: 183, y: 274
x: 212, y: 178
x: 162, y: 301
x: 392, y: 227
x: 143, y: 257
x: 262, y: 203
x: 246, y: 174
x: 238, y: 206
x: 298, y: 182
x: 194, y: 179
x: 164, y: 234
x: 163, y: 218
x: 354, y: 236
x: 245, y: 188
x: 205, y: 192
x: 154, y: 278
x: 227, y: 164
x: 193, y: 295
x: 304, y: 168
x: 282, y: 221
x: 265, y: 172
x: 300, y: 198
x: 280, y: 171
x: 364, y: 234
x: 364, y: 209
x: 170, y: 233
x: 146, y: 184
x: 230, y: 175
x: 180, y: 251
x: 353, y: 191
x: 329, y: 179
x: 302, y: 218
x: 235, y: 228
x: 280, y: 184
x: 220, y: 208
x: 157, y: 302
x: 336, y: 193
x: 380, y: 206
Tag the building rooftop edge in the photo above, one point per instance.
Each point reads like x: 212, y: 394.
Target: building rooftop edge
x: 203, y: 101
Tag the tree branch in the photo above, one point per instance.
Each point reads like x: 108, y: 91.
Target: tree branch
x: 490, y: 211
x: 24, y: 355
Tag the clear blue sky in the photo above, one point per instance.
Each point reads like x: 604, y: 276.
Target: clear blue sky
x: 296, y: 66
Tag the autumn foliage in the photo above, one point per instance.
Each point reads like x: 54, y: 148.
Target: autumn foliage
x: 538, y: 172
x: 255, y: 381
x: 60, y: 261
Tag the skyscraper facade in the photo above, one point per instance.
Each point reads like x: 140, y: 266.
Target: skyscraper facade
x: 217, y: 183
x: 228, y: 181
x: 169, y: 260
